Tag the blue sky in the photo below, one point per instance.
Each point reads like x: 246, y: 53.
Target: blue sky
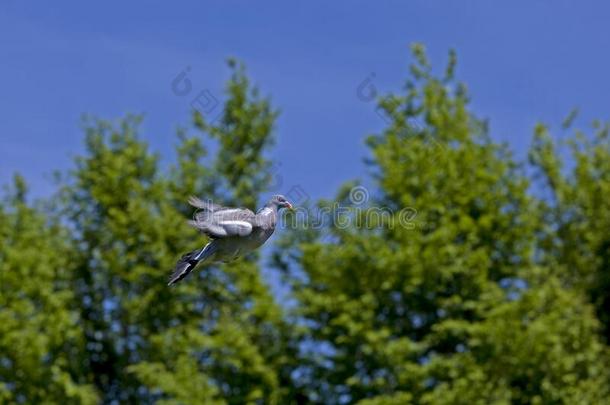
x: 522, y: 61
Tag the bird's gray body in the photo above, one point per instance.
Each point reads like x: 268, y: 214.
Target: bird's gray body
x: 231, y: 247
x: 235, y: 232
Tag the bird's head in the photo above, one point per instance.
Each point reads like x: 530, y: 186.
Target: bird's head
x: 280, y: 202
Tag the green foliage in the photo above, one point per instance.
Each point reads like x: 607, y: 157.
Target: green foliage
x: 457, y: 307
x: 39, y: 330
x: 578, y: 212
x: 222, y: 327
x: 495, y: 290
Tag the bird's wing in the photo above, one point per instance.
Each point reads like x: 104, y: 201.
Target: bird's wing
x: 207, y: 205
x: 266, y: 218
x: 223, y: 222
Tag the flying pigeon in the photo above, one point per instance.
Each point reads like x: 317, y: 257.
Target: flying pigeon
x: 234, y: 232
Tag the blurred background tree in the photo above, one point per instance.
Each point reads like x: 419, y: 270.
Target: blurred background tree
x: 40, y: 335
x: 222, y: 331
x: 577, y: 212
x: 462, y: 305
x: 478, y: 288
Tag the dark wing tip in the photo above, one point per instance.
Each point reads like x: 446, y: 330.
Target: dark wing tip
x: 183, y: 268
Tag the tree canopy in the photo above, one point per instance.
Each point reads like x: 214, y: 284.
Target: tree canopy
x: 466, y: 277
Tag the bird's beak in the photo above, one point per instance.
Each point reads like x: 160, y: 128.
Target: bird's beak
x: 289, y: 206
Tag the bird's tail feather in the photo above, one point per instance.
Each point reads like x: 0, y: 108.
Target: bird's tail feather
x: 189, y: 261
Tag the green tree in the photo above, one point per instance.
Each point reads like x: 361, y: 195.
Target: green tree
x: 39, y: 329
x: 222, y: 327
x: 470, y: 286
x: 577, y: 211
x: 241, y: 340
x: 453, y: 305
